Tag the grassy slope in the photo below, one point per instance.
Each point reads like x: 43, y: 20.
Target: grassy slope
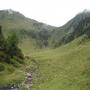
x: 64, y: 68
x: 11, y: 75
x: 27, y: 45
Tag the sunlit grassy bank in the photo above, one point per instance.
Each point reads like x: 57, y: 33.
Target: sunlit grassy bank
x: 10, y: 75
x: 64, y: 68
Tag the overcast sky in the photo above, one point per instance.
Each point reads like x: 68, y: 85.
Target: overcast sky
x: 53, y: 12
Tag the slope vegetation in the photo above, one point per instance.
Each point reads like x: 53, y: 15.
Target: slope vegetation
x: 76, y: 27
x: 64, y: 68
x: 63, y: 63
x: 25, y: 28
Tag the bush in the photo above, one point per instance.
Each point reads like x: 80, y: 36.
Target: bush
x: 9, y: 51
x: 14, y: 62
x: 18, y: 59
x: 10, y: 69
x: 2, y: 68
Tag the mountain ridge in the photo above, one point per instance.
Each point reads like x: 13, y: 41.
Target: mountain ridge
x: 11, y: 15
x: 71, y: 27
x: 44, y: 35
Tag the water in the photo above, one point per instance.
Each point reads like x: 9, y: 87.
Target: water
x: 10, y: 88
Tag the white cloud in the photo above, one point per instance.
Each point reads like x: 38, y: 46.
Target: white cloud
x: 53, y: 12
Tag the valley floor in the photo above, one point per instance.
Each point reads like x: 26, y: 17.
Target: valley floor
x: 63, y: 68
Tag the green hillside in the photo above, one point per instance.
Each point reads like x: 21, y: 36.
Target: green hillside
x: 11, y: 61
x: 76, y: 27
x: 64, y: 68
x: 58, y: 58
x: 43, y: 35
x: 25, y: 28
x: 10, y: 19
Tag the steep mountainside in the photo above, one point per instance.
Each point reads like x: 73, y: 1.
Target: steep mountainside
x: 76, y: 27
x: 10, y: 19
x: 40, y: 35
x: 26, y: 28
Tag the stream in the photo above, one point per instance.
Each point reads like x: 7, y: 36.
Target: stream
x: 28, y: 82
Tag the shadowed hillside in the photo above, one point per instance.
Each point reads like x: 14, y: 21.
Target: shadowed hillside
x: 76, y: 27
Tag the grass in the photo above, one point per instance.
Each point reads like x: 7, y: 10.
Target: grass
x: 10, y: 75
x: 27, y: 45
x: 64, y: 68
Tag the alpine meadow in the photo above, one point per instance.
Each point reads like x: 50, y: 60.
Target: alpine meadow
x: 38, y: 56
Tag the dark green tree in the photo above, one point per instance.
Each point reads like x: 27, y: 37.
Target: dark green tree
x: 3, y: 48
x: 13, y: 50
x: 2, y: 40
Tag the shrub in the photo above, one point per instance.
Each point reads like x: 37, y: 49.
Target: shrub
x: 2, y: 68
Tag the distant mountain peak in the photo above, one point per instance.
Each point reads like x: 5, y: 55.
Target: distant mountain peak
x: 86, y: 11
x: 10, y: 11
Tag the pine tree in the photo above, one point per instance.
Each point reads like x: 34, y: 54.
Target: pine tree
x: 13, y: 49
x: 2, y: 40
